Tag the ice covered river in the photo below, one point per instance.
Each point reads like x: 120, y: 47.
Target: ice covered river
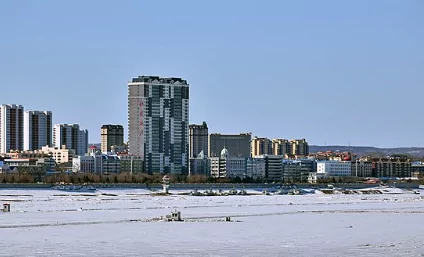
x: 124, y: 223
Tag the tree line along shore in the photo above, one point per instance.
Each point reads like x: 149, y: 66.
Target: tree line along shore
x: 156, y: 178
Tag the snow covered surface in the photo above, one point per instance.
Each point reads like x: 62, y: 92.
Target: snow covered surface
x: 118, y: 222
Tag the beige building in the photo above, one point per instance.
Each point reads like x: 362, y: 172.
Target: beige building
x: 60, y: 155
x: 281, y: 147
x: 260, y: 146
x: 111, y: 135
x: 299, y: 147
x: 237, y: 145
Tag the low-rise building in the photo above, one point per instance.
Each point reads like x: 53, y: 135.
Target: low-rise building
x: 361, y: 168
x: 200, y: 165
x: 298, y: 170
x: 393, y: 167
x: 130, y: 163
x: 30, y: 165
x: 417, y: 168
x: 312, y: 178
x: 4, y: 167
x: 273, y: 167
x: 60, y: 155
x: 96, y: 162
x: 255, y: 167
x: 334, y: 168
x: 227, y: 166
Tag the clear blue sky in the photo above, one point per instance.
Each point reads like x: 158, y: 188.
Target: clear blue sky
x: 330, y: 71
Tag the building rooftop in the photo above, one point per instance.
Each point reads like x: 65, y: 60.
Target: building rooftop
x: 148, y: 79
x: 111, y: 126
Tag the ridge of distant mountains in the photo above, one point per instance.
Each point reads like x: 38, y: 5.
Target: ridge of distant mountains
x: 369, y: 150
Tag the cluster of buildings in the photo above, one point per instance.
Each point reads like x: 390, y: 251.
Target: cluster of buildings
x: 160, y: 139
x: 284, y: 160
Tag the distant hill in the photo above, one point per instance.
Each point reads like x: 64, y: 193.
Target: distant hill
x: 367, y: 150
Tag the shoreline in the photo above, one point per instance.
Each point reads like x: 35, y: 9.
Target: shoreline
x: 201, y: 186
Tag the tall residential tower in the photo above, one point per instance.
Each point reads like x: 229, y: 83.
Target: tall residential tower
x: 198, y: 139
x: 158, y: 123
x: 111, y: 135
x: 11, y: 127
x: 37, y: 130
x: 72, y: 137
x: 261, y: 146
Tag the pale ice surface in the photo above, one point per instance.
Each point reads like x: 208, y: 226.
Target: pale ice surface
x: 118, y: 223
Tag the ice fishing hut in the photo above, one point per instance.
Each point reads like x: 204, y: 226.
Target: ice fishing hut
x: 175, y: 216
x: 6, y: 207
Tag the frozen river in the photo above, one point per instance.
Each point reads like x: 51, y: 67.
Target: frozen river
x: 119, y: 223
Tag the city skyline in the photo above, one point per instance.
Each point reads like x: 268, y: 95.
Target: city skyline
x: 356, y: 81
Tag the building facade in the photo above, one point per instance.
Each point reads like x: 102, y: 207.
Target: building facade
x: 60, y: 155
x: 227, y: 166
x: 334, y: 168
x: 71, y: 136
x: 281, y: 147
x: 361, y: 168
x: 111, y: 135
x: 273, y: 167
x: 299, y: 147
x: 298, y: 170
x: 158, y: 123
x: 237, y: 145
x: 131, y: 164
x: 198, y: 135
x: 37, y: 130
x: 200, y: 165
x: 11, y: 127
x: 260, y: 146
x: 96, y: 162
x: 393, y: 167
x: 255, y: 167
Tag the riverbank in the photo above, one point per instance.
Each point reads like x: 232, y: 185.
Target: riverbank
x: 201, y: 186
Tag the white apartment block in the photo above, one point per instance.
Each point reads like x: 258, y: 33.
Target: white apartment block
x: 256, y: 167
x: 97, y: 163
x: 11, y: 127
x: 37, y: 130
x: 72, y: 137
x: 227, y: 166
x: 334, y: 168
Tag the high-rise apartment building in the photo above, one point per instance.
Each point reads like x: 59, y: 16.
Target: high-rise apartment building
x: 11, y: 127
x: 198, y: 139
x: 299, y: 147
x: 158, y: 123
x: 111, y: 135
x: 261, y: 146
x: 37, y: 130
x: 72, y: 137
x: 237, y: 145
x: 281, y: 147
